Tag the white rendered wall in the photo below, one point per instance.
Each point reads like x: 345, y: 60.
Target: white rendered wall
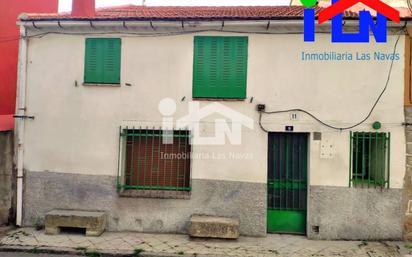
x: 76, y: 128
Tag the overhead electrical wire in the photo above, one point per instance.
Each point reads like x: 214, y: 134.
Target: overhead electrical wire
x: 335, y: 127
x: 164, y: 34
x: 18, y: 38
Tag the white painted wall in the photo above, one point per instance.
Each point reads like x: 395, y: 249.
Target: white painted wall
x: 76, y: 128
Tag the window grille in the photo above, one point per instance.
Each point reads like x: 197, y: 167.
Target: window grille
x: 150, y: 161
x: 369, y: 159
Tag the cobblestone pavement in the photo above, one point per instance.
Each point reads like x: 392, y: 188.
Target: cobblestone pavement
x: 4, y: 230
x: 20, y: 254
x: 169, y: 245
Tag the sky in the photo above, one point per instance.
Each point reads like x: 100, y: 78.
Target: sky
x: 65, y: 5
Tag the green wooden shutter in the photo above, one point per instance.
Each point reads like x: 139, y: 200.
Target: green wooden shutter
x: 205, y: 69
x: 234, y: 67
x: 102, y: 60
x: 220, y: 67
x: 91, y: 69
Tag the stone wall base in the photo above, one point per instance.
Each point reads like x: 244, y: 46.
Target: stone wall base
x: 333, y: 212
x: 354, y: 213
x: 7, y: 178
x: 45, y: 191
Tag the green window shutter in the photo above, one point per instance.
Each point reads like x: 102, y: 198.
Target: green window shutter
x: 234, y: 67
x: 91, y: 69
x: 220, y: 67
x: 102, y: 60
x: 205, y: 69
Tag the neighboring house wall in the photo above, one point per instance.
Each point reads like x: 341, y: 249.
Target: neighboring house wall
x: 9, y: 45
x: 71, y: 147
x: 407, y: 186
x: 7, y: 177
x: 407, y: 192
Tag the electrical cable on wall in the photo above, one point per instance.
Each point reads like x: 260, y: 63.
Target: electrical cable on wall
x: 329, y: 125
x: 40, y: 35
x: 165, y: 34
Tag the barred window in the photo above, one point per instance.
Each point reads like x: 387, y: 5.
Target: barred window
x: 155, y: 160
x: 369, y: 159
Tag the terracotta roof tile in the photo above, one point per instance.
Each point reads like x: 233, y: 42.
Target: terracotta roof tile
x: 132, y: 12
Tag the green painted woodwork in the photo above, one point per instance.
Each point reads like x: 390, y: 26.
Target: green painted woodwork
x: 281, y: 221
x: 220, y: 67
x: 287, y: 182
x: 102, y: 61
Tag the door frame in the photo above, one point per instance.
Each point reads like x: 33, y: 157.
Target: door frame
x: 308, y: 150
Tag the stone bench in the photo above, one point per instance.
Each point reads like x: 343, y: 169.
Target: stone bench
x: 94, y: 222
x: 213, y: 227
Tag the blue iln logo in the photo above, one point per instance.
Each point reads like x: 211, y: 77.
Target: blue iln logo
x: 366, y: 21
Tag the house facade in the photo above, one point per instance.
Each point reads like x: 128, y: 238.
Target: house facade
x: 154, y: 114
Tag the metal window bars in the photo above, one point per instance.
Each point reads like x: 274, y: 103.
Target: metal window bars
x: 287, y: 171
x: 369, y: 159
x: 145, y: 162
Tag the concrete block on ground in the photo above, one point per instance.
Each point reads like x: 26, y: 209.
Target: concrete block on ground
x: 213, y: 227
x: 93, y: 221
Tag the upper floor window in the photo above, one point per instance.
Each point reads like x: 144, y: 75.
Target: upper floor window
x: 220, y: 67
x: 102, y: 61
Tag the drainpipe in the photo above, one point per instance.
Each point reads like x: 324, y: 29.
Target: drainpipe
x: 19, y: 127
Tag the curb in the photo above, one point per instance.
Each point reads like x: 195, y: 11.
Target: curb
x: 89, y: 252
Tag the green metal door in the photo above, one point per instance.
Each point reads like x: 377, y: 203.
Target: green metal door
x: 287, y: 182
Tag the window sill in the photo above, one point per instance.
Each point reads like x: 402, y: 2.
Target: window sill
x: 371, y: 184
x: 162, y: 194
x: 100, y: 85
x: 218, y: 99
